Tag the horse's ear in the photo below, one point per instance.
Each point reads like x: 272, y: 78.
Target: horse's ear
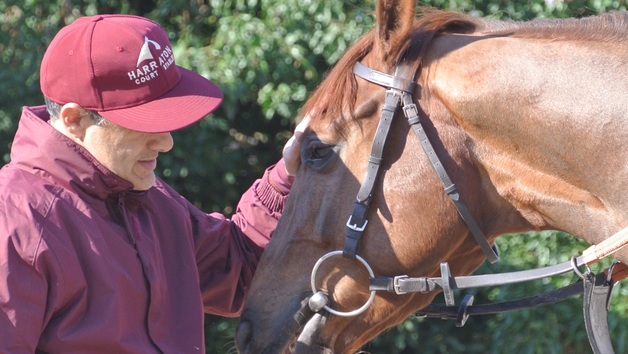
x: 394, y: 21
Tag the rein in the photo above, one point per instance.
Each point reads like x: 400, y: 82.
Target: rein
x: 596, y: 288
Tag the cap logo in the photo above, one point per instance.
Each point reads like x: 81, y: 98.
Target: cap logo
x: 149, y: 70
x: 145, y: 53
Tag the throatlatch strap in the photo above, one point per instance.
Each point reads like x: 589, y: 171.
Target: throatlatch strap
x: 412, y: 114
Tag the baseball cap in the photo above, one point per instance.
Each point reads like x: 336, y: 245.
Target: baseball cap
x: 123, y: 67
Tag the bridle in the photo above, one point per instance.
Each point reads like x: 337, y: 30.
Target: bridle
x: 596, y: 288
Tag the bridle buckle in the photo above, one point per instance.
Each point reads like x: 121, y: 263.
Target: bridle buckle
x: 355, y: 227
x: 397, y: 285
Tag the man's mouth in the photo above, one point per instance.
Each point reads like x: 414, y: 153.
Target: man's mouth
x: 148, y: 163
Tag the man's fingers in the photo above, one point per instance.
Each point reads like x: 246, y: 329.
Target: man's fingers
x: 291, y: 151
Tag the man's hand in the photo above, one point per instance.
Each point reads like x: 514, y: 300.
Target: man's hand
x: 292, y: 149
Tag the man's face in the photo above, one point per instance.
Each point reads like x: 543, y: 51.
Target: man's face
x: 129, y: 154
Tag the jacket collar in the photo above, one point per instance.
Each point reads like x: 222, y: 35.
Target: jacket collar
x: 41, y: 149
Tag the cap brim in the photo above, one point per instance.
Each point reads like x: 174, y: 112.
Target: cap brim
x: 193, y: 98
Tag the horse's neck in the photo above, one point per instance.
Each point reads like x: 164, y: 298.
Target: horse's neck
x: 547, y: 121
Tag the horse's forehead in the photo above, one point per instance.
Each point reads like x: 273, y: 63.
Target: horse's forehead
x: 356, y: 119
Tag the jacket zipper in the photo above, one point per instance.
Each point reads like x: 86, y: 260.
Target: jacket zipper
x: 129, y: 230
x: 125, y: 217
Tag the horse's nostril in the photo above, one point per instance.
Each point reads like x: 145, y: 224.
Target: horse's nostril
x: 243, y: 335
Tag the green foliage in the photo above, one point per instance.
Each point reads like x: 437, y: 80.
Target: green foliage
x: 267, y: 56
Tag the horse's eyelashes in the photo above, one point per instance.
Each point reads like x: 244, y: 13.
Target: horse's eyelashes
x: 317, y: 154
x: 320, y: 151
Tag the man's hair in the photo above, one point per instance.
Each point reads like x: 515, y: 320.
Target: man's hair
x: 54, y: 110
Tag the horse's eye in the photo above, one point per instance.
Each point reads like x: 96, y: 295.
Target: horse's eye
x: 317, y: 154
x: 320, y: 151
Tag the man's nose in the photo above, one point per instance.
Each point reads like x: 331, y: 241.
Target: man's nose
x: 161, y: 142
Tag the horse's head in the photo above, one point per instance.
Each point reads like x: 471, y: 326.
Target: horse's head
x: 412, y: 226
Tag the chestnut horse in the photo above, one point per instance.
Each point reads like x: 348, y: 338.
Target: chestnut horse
x: 530, y: 121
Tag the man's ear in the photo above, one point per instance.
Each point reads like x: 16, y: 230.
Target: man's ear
x: 72, y: 121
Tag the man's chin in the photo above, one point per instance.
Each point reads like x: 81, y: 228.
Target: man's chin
x: 143, y: 184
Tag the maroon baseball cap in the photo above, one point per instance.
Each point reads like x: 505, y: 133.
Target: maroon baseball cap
x: 123, y: 67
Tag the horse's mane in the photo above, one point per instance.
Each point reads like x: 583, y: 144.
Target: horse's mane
x: 335, y: 97
x: 336, y: 94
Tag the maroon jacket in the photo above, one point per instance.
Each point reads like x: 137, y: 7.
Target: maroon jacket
x: 89, y: 266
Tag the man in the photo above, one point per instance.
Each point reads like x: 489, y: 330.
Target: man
x: 97, y: 255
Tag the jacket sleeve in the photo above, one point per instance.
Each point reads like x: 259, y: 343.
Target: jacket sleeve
x: 228, y: 250
x: 24, y: 285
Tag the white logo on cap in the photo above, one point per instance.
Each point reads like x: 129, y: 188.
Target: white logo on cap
x: 145, y: 53
x: 144, y: 73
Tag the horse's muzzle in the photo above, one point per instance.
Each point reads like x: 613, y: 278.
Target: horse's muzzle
x: 299, y: 335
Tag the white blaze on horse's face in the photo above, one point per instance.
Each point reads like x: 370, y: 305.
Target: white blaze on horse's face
x: 500, y: 126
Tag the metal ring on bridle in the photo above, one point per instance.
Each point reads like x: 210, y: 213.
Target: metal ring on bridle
x: 574, y: 264
x: 329, y: 309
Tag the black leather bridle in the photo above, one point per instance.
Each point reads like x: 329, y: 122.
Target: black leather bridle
x: 399, y: 94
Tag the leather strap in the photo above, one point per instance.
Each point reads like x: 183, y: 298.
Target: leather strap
x: 391, y: 104
x: 450, y: 312
x: 402, y: 81
x: 597, y: 291
x: 383, y: 79
x: 619, y: 272
x: 606, y: 247
x: 597, y: 295
x: 412, y: 114
x: 358, y: 220
x: 404, y: 284
x: 400, y: 91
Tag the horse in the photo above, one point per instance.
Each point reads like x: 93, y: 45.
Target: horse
x: 529, y: 121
